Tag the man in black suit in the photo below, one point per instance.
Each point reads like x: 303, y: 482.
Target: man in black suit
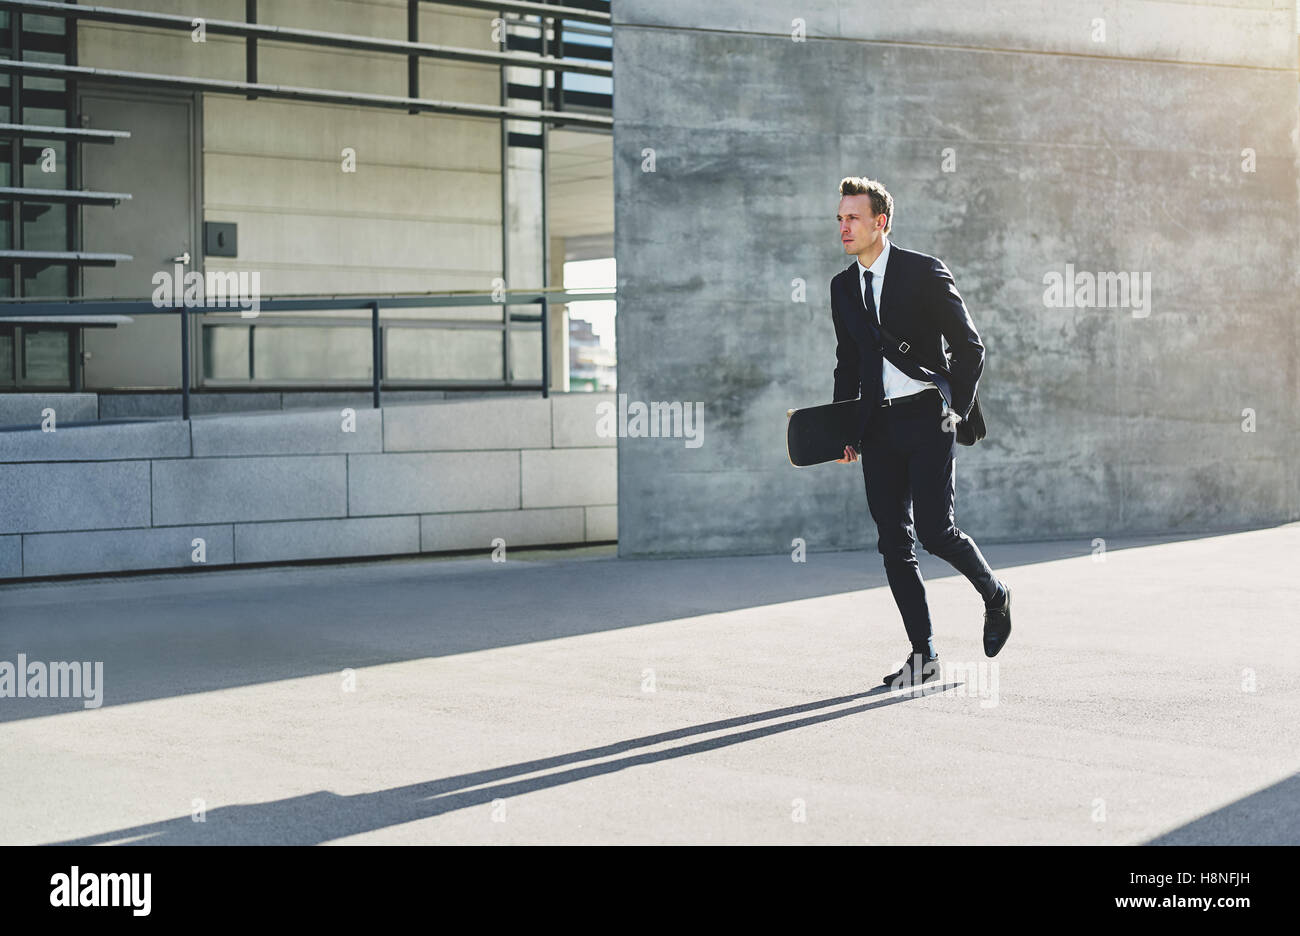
x: 908, y: 412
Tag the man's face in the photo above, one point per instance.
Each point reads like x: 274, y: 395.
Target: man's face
x: 859, y: 228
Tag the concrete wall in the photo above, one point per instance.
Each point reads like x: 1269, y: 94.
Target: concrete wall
x: 423, y: 210
x: 294, y: 486
x: 1110, y: 136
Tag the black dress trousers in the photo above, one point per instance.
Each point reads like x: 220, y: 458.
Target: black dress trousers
x: 908, y: 465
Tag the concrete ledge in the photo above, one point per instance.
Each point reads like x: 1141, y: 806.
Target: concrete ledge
x: 168, y: 405
x: 567, y: 477
x: 471, y: 424
x: 225, y: 490
x: 206, y: 402
x: 288, y: 486
x: 516, y: 527
x: 357, y: 399
x: 24, y: 409
x: 122, y: 550
x: 602, y: 523
x: 51, y: 497
x: 11, y: 556
x: 574, y: 418
x: 304, y: 433
x: 434, y: 482
x: 113, y: 441
x: 326, y: 539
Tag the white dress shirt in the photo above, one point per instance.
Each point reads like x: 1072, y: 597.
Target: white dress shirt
x: 897, y: 384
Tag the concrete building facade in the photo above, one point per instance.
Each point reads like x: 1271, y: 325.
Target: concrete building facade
x: 399, y: 183
x: 1023, y: 143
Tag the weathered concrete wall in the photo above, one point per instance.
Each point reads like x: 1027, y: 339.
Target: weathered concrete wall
x: 420, y: 478
x: 1015, y: 140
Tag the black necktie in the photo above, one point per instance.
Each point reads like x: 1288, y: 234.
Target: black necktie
x: 869, y: 298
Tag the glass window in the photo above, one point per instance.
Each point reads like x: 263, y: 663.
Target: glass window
x: 525, y: 351
x: 45, y: 226
x: 225, y: 352
x: 6, y: 355
x: 310, y: 352
x: 45, y: 356
x: 44, y: 99
x: 442, y: 353
x: 50, y: 279
x: 45, y: 163
x: 53, y: 25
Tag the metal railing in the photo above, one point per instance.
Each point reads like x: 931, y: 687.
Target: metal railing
x: 253, y: 31
x: 50, y: 312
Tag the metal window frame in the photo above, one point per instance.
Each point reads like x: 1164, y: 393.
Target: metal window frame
x: 80, y: 134
x: 320, y: 95
x: 19, y: 332
x: 35, y: 308
x: 527, y: 8
x: 18, y: 193
x: 61, y: 196
x: 251, y: 30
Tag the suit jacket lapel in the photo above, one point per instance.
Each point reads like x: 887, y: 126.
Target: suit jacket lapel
x: 891, y: 279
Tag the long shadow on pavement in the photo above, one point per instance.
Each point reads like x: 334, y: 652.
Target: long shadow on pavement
x: 324, y: 816
x: 1268, y: 817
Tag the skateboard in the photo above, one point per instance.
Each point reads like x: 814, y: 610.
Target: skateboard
x: 817, y: 434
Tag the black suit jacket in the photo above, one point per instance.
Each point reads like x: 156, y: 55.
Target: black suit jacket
x: 919, y: 304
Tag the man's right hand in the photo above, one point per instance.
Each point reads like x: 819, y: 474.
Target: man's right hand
x: 850, y: 455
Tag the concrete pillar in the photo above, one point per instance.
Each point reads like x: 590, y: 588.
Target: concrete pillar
x: 559, y: 323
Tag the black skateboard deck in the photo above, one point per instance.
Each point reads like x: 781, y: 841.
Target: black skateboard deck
x: 817, y: 434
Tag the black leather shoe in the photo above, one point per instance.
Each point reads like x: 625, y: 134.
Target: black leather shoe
x: 917, y: 671
x: 997, y: 626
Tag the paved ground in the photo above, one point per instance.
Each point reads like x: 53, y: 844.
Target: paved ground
x: 512, y: 702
